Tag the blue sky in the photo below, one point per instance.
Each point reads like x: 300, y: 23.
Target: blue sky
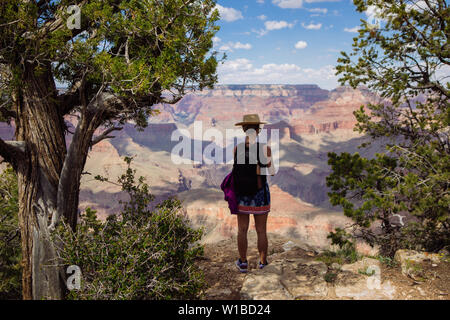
x: 284, y: 41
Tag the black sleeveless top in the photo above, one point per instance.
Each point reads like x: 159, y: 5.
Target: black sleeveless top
x: 244, y: 170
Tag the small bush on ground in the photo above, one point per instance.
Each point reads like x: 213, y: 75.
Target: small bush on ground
x: 387, y: 261
x: 141, y: 254
x: 344, y: 255
x: 10, y: 250
x: 330, y: 277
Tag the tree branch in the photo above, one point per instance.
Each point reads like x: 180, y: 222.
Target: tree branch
x: 171, y: 101
x: 6, y: 113
x: 105, y: 135
x: 68, y: 101
x: 54, y: 25
x: 12, y: 151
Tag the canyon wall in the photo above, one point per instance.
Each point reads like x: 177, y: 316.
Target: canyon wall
x: 311, y: 122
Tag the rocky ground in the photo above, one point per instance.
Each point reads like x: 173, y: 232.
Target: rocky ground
x: 297, y: 271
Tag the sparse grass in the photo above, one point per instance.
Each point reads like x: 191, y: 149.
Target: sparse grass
x: 413, y: 266
x: 366, y: 273
x: 387, y: 261
x: 415, y: 270
x: 342, y: 256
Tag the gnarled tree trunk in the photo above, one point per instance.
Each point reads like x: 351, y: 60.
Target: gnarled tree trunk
x: 48, y: 178
x: 40, y: 126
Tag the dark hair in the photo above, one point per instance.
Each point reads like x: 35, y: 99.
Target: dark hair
x: 255, y: 127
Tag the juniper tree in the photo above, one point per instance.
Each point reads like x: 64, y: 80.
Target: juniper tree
x: 123, y: 58
x: 405, y: 58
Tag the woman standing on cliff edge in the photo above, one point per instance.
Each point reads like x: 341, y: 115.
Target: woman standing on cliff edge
x: 252, y: 164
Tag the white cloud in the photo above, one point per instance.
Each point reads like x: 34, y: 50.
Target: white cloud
x: 242, y: 71
x: 277, y: 25
x: 420, y: 5
x: 352, y: 30
x: 273, y: 25
x: 376, y: 15
x: 301, y: 45
x: 262, y: 17
x: 319, y: 10
x: 229, y: 14
x: 373, y: 14
x: 235, y: 45
x: 225, y: 47
x: 236, y: 66
x: 312, y: 26
x: 288, y: 4
x: 246, y: 46
x: 260, y: 32
x: 297, y: 4
x: 260, y: 1
x: 317, y: 1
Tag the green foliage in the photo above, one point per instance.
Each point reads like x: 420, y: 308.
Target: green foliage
x: 341, y: 238
x: 142, y: 52
x: 330, y: 277
x: 10, y: 250
x: 366, y: 272
x: 402, y: 60
x: 387, y: 261
x: 344, y: 255
x: 140, y: 254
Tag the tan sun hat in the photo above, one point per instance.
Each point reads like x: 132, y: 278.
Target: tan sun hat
x: 250, y: 119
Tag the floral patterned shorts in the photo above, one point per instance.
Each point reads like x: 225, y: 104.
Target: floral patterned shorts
x: 257, y: 204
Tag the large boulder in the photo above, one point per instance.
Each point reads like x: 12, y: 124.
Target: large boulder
x: 410, y: 261
x: 264, y: 286
x: 362, y: 266
x: 305, y: 279
x: 286, y: 280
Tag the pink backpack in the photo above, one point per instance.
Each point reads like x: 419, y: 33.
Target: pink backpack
x: 227, y: 187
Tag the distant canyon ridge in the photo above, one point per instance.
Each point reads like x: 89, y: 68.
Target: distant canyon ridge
x: 311, y: 122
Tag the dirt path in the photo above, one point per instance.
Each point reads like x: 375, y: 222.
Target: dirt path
x: 225, y: 282
x: 221, y: 274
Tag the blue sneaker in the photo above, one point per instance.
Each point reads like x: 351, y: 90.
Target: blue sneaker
x: 242, y: 266
x: 262, y: 265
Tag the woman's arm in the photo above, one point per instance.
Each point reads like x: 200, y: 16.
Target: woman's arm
x: 270, y: 167
x: 267, y: 169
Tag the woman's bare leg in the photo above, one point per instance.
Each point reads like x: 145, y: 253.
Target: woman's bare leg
x: 243, y: 222
x: 261, y: 231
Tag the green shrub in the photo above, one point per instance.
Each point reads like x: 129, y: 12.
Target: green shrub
x: 330, y: 277
x: 346, y: 254
x: 10, y: 250
x: 387, y: 261
x: 347, y: 249
x: 140, y: 254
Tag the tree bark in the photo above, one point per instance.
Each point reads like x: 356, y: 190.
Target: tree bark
x: 48, y: 174
x: 40, y: 125
x: 69, y: 183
